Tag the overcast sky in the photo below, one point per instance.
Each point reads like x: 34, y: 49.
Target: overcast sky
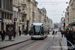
x: 55, y: 8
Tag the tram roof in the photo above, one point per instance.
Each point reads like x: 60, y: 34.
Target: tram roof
x: 37, y: 23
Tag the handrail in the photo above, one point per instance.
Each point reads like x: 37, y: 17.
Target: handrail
x: 70, y: 43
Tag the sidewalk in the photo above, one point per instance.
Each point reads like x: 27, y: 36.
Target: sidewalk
x: 17, y: 40
x: 63, y: 42
x: 59, y: 42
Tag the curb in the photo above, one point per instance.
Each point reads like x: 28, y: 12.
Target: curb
x: 14, y: 44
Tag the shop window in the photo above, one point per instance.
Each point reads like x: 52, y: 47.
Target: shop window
x: 10, y: 17
x: 2, y: 15
x: 5, y: 15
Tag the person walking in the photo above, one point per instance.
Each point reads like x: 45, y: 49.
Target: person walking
x: 62, y: 33
x: 2, y: 32
x: 53, y: 32
x: 25, y: 32
x: 19, y: 32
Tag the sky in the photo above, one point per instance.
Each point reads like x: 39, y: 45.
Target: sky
x: 55, y: 8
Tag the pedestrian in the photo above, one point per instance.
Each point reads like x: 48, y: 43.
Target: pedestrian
x: 29, y: 32
x: 14, y: 34
x: 62, y: 33
x: 25, y: 32
x: 53, y: 32
x: 71, y: 36
x: 19, y: 32
x: 68, y: 37
x: 2, y: 32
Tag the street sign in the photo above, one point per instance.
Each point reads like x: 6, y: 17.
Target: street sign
x: 15, y: 19
x: 1, y: 20
x: 19, y: 20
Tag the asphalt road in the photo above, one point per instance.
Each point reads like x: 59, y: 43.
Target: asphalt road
x: 45, y: 44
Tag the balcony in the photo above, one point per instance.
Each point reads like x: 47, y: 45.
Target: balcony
x: 23, y: 3
x: 23, y: 11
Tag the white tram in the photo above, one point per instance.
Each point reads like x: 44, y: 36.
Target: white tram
x: 39, y: 30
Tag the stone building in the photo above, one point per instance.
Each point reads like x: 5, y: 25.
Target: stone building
x: 24, y: 15
x: 67, y: 17
x: 6, y: 13
x: 71, y: 13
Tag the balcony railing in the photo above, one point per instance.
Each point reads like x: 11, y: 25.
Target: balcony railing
x: 23, y: 11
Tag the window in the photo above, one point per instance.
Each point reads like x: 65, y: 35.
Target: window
x: 22, y: 19
x: 0, y: 3
x: 10, y: 17
x: 5, y: 15
x: 2, y: 15
x: 37, y: 28
x: 22, y: 7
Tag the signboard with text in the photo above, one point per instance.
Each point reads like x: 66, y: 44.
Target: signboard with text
x: 10, y: 30
x: 1, y: 20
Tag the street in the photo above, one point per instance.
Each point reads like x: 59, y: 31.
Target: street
x: 50, y: 43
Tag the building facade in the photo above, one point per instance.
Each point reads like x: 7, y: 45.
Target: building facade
x: 6, y: 13
x: 67, y: 17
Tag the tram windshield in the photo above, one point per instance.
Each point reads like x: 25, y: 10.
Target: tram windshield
x: 37, y: 28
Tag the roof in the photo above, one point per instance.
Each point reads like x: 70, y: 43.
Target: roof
x: 43, y: 10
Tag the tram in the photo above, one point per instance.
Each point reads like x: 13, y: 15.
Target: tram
x: 39, y: 30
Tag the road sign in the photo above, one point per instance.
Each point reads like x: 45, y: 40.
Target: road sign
x: 15, y: 19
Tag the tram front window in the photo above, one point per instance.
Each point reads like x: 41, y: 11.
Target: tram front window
x: 36, y: 30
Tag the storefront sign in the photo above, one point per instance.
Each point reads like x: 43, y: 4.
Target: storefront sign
x: 1, y: 20
x: 10, y: 30
x: 74, y: 19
